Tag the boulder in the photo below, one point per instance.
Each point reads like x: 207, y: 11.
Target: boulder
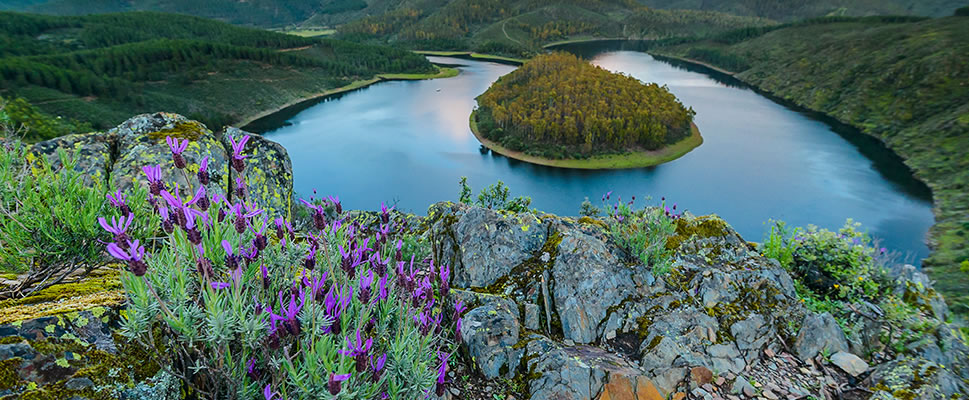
x: 849, y: 363
x: 483, y: 245
x: 91, y: 154
x: 490, y: 332
x: 819, y: 332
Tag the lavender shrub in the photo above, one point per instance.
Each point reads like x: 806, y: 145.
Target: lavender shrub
x: 239, y: 305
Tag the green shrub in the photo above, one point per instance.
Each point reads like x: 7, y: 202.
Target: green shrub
x: 497, y: 197
x: 249, y: 308
x: 643, y: 233
x: 962, y: 12
x: 780, y: 244
x: 50, y: 228
x: 840, y: 264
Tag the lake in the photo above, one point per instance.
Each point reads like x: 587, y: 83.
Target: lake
x: 408, y: 143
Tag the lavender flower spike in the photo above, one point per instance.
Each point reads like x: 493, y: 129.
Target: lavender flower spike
x: 117, y: 227
x: 177, y: 149
x: 203, y: 173
x: 134, y: 256
x: 155, y: 185
x: 237, y: 148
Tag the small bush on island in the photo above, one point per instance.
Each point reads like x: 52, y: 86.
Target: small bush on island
x: 559, y: 106
x: 241, y: 306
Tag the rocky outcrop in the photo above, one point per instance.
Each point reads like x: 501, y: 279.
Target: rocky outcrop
x: 116, y: 157
x: 584, y: 320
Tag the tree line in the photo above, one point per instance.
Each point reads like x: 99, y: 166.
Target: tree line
x: 558, y: 99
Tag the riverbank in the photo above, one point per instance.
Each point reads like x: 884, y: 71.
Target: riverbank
x: 442, y: 72
x: 933, y: 158
x: 615, y: 161
x: 470, y: 55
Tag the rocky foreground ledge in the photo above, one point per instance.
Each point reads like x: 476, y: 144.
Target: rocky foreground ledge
x: 557, y: 309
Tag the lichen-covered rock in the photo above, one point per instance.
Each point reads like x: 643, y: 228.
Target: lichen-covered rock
x: 91, y: 154
x: 483, y: 245
x: 589, y: 280
x: 819, y: 332
x: 268, y: 172
x: 916, y: 378
x: 141, y: 142
x: 490, y: 332
x: 584, y: 372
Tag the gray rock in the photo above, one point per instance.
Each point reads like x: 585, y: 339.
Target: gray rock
x: 490, y: 333
x: 818, y: 333
x: 531, y: 317
x: 584, y: 372
x: 91, y: 154
x: 483, y: 245
x: 742, y: 386
x: 920, y: 378
x: 589, y: 280
x: 752, y: 334
x: 849, y: 363
x: 78, y: 384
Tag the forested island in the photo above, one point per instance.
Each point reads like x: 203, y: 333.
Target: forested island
x: 560, y: 110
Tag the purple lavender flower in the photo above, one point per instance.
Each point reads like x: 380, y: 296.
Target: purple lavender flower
x: 282, y: 228
x: 192, y: 234
x: 310, y: 261
x: 200, y: 200
x: 265, y: 277
x: 243, y: 212
x: 155, y: 184
x: 203, y: 173
x: 134, y: 256
x: 166, y: 221
x: 319, y: 215
x: 445, y: 275
x: 334, y: 383
x: 335, y: 200
x: 378, y: 366
x: 288, y: 314
x: 118, y: 228
x: 441, y: 374
x: 240, y: 187
x: 382, y: 291
x: 231, y: 259
x: 366, y: 281
x: 259, y: 240
x: 269, y: 394
x: 253, y: 372
x: 118, y: 201
x: 359, y: 350
x: 237, y: 148
x: 177, y: 149
x: 385, y: 213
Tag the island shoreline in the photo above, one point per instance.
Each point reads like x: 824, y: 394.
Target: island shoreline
x: 617, y: 161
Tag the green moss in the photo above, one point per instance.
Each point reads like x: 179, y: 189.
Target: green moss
x: 191, y: 130
x: 592, y: 221
x: 101, y: 289
x: 703, y: 227
x: 9, y: 378
x: 11, y: 340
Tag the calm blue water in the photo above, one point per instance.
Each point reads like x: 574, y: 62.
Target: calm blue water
x: 408, y: 143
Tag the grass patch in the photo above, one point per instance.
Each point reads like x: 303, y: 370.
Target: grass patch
x: 470, y: 55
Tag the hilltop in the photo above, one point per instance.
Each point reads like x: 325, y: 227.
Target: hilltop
x: 99, y: 69
x: 903, y: 81
x: 786, y: 10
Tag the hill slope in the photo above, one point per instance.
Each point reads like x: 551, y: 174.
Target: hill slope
x: 101, y: 69
x: 905, y: 83
x: 519, y: 27
x: 797, y: 9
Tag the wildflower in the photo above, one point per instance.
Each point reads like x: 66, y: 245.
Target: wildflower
x: 203, y: 173
x: 201, y: 200
x: 335, y: 303
x: 310, y: 261
x: 253, y: 372
x: 231, y: 260
x: 441, y: 374
x: 155, y: 185
x: 378, y: 366
x: 118, y: 227
x: 385, y: 213
x: 265, y: 276
x: 177, y: 149
x: 288, y: 314
x: 319, y: 215
x: 269, y: 394
x: 334, y: 383
x: 282, y: 228
x: 359, y: 350
x: 219, y: 285
x: 118, y: 201
x: 166, y: 221
x: 336, y: 204
x: 366, y: 280
x: 134, y: 256
x: 259, y: 240
x: 237, y: 148
x: 203, y: 265
x: 861, y: 278
x: 191, y: 233
x: 240, y: 187
x: 382, y: 289
x: 445, y: 280
x: 243, y: 212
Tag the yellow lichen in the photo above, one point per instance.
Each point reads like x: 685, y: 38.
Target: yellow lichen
x: 191, y: 130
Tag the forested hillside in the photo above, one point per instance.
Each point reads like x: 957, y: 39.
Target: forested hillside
x: 102, y: 69
x: 559, y: 106
x: 522, y: 27
x: 906, y: 83
x: 785, y: 10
